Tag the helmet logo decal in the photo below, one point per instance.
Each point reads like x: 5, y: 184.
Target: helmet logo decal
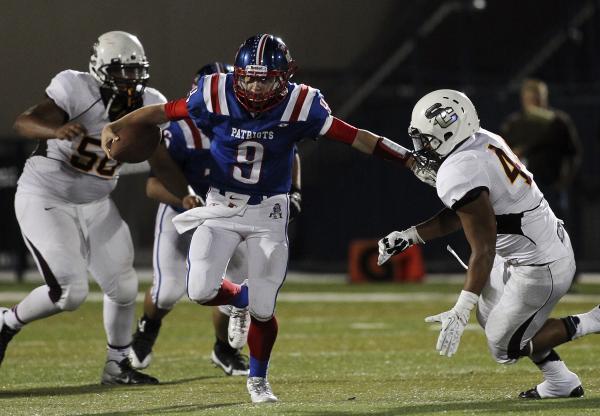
x: 256, y: 70
x: 443, y: 116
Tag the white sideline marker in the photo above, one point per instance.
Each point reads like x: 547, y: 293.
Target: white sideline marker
x: 462, y: 263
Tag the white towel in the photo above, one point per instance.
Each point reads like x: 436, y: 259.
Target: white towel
x: 218, y: 206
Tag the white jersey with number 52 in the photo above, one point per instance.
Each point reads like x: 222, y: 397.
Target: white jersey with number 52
x: 76, y: 170
x: 528, y: 232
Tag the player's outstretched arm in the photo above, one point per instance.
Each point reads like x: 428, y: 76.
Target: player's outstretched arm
x: 46, y: 120
x: 443, y: 223
x: 367, y: 142
x: 151, y: 114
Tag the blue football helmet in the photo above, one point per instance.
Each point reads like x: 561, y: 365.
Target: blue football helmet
x: 263, y: 66
x: 212, y: 68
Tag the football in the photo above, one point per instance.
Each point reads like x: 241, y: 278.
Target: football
x: 136, y: 143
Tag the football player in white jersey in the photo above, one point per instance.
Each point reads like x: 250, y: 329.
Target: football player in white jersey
x: 521, y: 261
x: 68, y: 221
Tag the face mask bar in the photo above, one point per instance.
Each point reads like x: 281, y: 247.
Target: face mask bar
x: 127, y: 79
x: 271, y: 90
x: 424, y: 154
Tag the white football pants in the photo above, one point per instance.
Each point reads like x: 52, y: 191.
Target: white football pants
x: 517, y: 301
x: 264, y: 229
x: 169, y: 261
x: 68, y: 240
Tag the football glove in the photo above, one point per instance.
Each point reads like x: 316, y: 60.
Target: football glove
x: 396, y: 242
x: 295, y: 203
x: 426, y: 175
x: 453, y: 323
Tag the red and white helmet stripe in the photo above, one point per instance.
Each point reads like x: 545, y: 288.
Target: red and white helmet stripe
x: 260, y: 51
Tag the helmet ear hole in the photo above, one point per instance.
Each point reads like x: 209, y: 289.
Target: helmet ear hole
x: 447, y: 135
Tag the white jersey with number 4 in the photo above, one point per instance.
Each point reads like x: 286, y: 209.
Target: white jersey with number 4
x: 76, y: 171
x: 528, y: 232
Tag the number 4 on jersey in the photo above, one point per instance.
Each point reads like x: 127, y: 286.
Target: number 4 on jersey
x: 511, y: 167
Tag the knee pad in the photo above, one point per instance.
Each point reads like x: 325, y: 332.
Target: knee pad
x: 73, y: 295
x: 200, y: 288
x: 166, y: 297
x: 123, y: 290
x: 202, y: 293
x: 499, y: 352
x: 262, y: 316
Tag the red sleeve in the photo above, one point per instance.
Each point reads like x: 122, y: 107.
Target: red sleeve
x: 176, y: 110
x: 341, y: 131
x: 389, y: 150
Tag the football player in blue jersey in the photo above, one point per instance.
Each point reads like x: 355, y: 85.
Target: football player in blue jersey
x: 254, y: 118
x: 190, y: 149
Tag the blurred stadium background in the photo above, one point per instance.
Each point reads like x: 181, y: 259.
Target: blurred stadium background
x: 372, y: 60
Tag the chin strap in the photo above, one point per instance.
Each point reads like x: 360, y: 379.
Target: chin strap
x: 108, y: 105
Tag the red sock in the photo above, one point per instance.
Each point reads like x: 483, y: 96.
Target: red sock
x: 227, y: 291
x: 261, y: 338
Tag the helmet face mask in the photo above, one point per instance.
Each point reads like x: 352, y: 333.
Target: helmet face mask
x: 424, y: 155
x: 440, y: 121
x: 129, y: 80
x: 258, y: 92
x: 118, y: 62
x: 263, y: 66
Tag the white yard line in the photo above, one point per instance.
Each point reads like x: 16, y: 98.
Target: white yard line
x: 333, y: 297
x: 145, y: 275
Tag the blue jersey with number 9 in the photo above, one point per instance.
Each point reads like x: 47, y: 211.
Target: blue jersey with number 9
x: 253, y: 154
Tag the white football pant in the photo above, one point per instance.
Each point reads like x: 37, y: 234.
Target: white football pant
x: 169, y: 261
x: 517, y: 301
x: 264, y: 228
x: 68, y: 240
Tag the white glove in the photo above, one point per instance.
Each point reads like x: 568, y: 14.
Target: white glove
x: 453, y: 323
x: 428, y: 176
x: 424, y: 169
x: 396, y: 242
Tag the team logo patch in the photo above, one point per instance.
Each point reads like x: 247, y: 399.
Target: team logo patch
x: 276, y: 213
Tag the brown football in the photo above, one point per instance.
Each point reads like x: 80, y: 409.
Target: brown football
x: 136, y: 143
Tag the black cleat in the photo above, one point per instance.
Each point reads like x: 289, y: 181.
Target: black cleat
x: 143, y: 341
x: 122, y: 373
x: 230, y: 360
x: 533, y: 394
x: 6, y: 334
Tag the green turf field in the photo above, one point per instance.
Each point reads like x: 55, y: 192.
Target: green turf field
x: 332, y: 357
